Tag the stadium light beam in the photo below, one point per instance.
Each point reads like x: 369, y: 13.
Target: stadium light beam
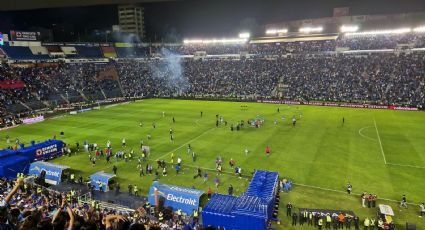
x: 347, y: 28
x: 380, y: 32
x: 310, y: 29
x: 244, y: 35
x: 215, y: 41
x: 276, y: 31
x: 419, y: 29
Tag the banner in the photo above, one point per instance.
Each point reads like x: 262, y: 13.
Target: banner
x: 53, y: 171
x: 12, y: 84
x: 333, y: 104
x: 33, y: 120
x: 24, y: 35
x: 325, y: 212
x: 186, y: 199
x: 43, y: 151
x: 109, y: 73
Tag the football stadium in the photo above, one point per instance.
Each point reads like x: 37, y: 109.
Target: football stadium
x: 282, y: 115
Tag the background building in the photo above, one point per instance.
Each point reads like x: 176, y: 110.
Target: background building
x: 130, y: 18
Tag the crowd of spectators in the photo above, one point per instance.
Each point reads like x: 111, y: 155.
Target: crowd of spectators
x: 379, y: 78
x: 388, y: 78
x: 25, y: 205
x: 390, y: 41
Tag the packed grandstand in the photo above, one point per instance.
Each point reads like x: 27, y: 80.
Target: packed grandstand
x: 378, y: 69
x: 381, y: 69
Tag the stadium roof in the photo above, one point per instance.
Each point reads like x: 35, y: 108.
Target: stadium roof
x: 8, y: 5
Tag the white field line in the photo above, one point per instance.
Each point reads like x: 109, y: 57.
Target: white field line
x: 202, y: 134
x: 411, y: 166
x: 340, y: 191
x: 379, y: 139
x: 361, y: 134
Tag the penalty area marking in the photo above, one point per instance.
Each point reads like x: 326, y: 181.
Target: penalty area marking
x: 202, y: 134
x: 364, y: 136
x: 379, y: 139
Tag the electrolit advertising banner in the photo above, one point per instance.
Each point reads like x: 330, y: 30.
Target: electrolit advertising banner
x: 186, y: 199
x: 53, y: 172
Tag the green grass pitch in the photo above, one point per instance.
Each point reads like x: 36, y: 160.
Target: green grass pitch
x: 378, y: 151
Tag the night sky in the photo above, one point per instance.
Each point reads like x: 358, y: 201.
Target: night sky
x: 193, y: 18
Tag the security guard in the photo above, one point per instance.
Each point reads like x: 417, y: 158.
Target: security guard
x: 320, y: 223
x: 310, y: 218
x: 39, y: 190
x: 195, y: 216
x: 160, y: 217
x: 72, y: 195
x: 179, y: 213
x: 100, y: 186
x: 328, y: 221
x: 147, y: 205
x: 136, y: 191
x: 372, y: 224
x: 72, y: 177
x: 366, y: 223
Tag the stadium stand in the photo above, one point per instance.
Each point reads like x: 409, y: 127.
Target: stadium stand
x: 109, y: 52
x: 69, y: 51
x: 308, y: 70
x: 89, y: 52
x: 20, y: 52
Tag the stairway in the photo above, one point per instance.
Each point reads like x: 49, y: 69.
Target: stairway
x: 64, y: 98
x: 82, y: 95
x: 25, y: 105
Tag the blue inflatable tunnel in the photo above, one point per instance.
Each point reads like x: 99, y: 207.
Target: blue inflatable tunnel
x: 218, y: 211
x: 11, y: 166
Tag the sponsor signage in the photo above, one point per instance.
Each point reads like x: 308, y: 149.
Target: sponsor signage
x: 186, y: 199
x: 24, y: 35
x: 348, y: 105
x: 33, y: 120
x: 53, y: 171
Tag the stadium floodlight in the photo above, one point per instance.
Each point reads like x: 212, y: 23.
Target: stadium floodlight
x: 215, y: 41
x: 380, y: 32
x: 419, y: 29
x: 271, y: 31
x: 276, y: 31
x: 347, y: 28
x: 310, y: 29
x: 244, y: 35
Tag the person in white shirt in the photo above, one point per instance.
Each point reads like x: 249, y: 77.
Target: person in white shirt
x: 422, y: 206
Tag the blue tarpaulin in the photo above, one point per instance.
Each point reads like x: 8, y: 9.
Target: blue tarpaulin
x: 186, y: 199
x: 53, y: 171
x: 7, y: 152
x: 42, y: 151
x: 11, y: 166
x: 102, y: 177
x: 252, y: 210
x: 218, y: 211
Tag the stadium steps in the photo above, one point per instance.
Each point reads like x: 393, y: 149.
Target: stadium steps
x: 64, y: 98
x: 103, y: 92
x: 46, y: 103
x: 83, y: 95
x: 25, y: 105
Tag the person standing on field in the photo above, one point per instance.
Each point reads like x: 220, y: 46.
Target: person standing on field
x: 349, y: 188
